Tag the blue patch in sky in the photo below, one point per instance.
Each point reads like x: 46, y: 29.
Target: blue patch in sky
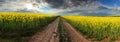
x: 46, y: 9
x: 111, y: 3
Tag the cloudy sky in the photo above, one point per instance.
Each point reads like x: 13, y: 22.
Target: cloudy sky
x: 63, y: 7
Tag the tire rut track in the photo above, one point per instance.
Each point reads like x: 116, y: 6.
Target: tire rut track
x: 73, y: 34
x: 48, y: 35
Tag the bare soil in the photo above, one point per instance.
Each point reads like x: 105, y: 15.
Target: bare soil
x: 48, y: 35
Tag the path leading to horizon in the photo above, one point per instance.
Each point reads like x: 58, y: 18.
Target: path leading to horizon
x: 50, y: 34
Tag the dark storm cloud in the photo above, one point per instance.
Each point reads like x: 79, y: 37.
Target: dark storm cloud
x: 55, y: 3
x: 69, y: 3
x: 2, y: 0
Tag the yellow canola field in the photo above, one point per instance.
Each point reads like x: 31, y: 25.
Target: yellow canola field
x: 96, y: 27
x: 23, y: 23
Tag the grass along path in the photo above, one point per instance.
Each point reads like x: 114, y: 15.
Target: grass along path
x: 63, y: 35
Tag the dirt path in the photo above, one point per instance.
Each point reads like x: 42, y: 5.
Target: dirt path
x: 73, y: 34
x: 48, y: 35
